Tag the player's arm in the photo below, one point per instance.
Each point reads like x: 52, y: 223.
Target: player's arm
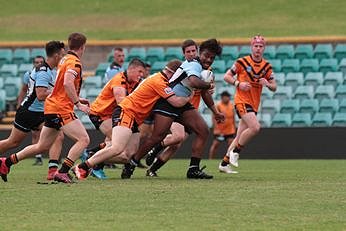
x: 119, y: 93
x: 230, y: 77
x: 270, y: 83
x: 42, y: 93
x: 208, y: 100
x: 196, y: 82
x: 72, y: 93
x: 178, y: 101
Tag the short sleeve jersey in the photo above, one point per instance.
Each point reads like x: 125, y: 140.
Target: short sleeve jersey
x: 141, y: 101
x: 105, y: 102
x: 58, y: 101
x: 228, y: 126
x: 250, y: 71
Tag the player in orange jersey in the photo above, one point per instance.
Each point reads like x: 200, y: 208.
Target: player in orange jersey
x: 101, y: 110
x: 58, y: 111
x: 130, y: 113
x: 248, y: 74
x: 226, y: 130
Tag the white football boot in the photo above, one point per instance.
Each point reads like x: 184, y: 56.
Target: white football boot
x: 233, y: 159
x: 226, y: 169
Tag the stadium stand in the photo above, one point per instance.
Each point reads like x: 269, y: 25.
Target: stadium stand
x: 309, y: 65
x: 313, y: 79
x: 340, y: 51
x: 301, y: 120
x: 333, y: 78
x: 329, y: 105
x: 269, y: 52
x: 322, y: 119
x: 281, y: 120
x: 137, y: 52
x: 5, y: 56
x: 173, y: 53
x: 323, y: 51
x: 304, y: 51
x: 290, y: 65
x: 285, y: 51
x: 310, y: 106
x: 339, y: 119
x: 229, y: 53
x: 21, y: 55
x: 155, y: 54
x: 290, y: 106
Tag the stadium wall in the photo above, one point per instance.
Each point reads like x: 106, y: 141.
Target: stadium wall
x: 271, y: 143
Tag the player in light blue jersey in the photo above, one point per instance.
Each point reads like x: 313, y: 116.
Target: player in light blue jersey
x: 29, y: 115
x: 35, y: 134
x: 116, y: 66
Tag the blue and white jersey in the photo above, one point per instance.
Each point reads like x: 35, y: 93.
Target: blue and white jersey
x: 179, y: 81
x: 111, y: 71
x: 26, y: 77
x: 42, y: 76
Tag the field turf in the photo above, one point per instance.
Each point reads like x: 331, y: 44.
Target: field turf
x: 266, y: 195
x: 23, y: 20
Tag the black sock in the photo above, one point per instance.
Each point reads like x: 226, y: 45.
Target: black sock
x: 238, y: 148
x: 194, y: 162
x: 134, y: 162
x: 158, y: 163
x: 53, y: 164
x: 99, y: 166
x: 66, y: 166
x: 84, y: 166
x: 11, y: 160
x: 158, y: 148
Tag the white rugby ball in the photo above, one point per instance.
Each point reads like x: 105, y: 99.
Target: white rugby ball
x: 207, y: 76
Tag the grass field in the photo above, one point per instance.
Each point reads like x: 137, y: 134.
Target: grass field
x: 266, y: 195
x: 153, y: 19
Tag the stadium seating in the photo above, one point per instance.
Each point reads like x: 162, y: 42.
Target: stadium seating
x: 92, y: 93
x: 285, y: 52
x: 310, y: 106
x: 281, y: 120
x: 340, y: 92
x: 294, y: 79
x: 229, y: 63
x: 136, y: 52
x: 12, y: 86
x: 313, y: 79
x: 279, y: 78
x: 304, y: 51
x: 24, y: 67
x: 328, y: 65
x: 92, y: 82
x: 21, y: 55
x: 303, y: 92
x: 342, y: 105
x: 155, y: 54
x: 283, y: 92
x: 229, y: 53
x: 309, y: 65
x: 340, y: 51
x: 8, y: 70
x: 333, y: 78
x: 101, y: 69
x: 266, y: 93
x: 158, y: 66
x: 290, y: 106
x: 2, y: 99
x: 219, y: 66
x: 301, y: 120
x: 276, y: 64
x: 86, y: 122
x: 322, y: 119
x: 339, y: 119
x: 290, y: 65
x: 329, y: 105
x: 208, y: 119
x: 173, y: 53
x: 5, y: 56
x: 323, y: 51
x: 270, y: 106
x: 244, y: 50
x: 264, y: 119
x: 269, y: 52
x: 37, y: 52
x: 324, y: 92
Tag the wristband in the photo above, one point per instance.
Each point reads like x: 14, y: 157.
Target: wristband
x: 236, y: 83
x: 76, y: 102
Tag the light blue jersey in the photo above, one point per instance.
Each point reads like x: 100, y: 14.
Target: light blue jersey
x: 111, y: 71
x: 26, y: 77
x: 179, y: 81
x: 42, y: 76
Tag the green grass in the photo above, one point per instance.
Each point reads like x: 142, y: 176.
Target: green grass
x: 266, y: 195
x: 154, y: 19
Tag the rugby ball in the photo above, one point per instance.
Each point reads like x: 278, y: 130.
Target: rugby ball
x: 207, y: 76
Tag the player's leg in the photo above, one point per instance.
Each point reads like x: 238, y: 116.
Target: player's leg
x: 35, y: 136
x: 131, y: 147
x: 14, y: 140
x: 177, y: 136
x: 192, y: 120
x: 54, y: 156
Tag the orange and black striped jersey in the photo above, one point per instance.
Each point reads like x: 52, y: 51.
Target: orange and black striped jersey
x: 105, y: 102
x: 141, y: 101
x: 196, y: 99
x: 247, y: 70
x: 58, y: 102
x: 228, y: 126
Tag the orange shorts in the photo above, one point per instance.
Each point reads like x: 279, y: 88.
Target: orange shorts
x: 121, y: 118
x: 243, y: 108
x: 58, y: 120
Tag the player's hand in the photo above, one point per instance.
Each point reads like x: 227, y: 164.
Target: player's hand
x: 83, y: 107
x: 219, y: 117
x: 211, y: 90
x: 84, y: 101
x: 244, y: 86
x: 263, y: 82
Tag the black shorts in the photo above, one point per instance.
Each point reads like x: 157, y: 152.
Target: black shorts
x: 120, y: 118
x: 58, y: 120
x: 96, y: 120
x: 166, y: 109
x: 242, y: 109
x: 150, y: 119
x: 27, y: 121
x: 223, y: 137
